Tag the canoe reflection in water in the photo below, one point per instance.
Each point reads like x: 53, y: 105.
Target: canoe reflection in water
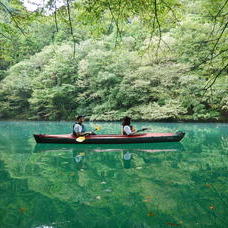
x: 82, y: 154
x: 143, y: 147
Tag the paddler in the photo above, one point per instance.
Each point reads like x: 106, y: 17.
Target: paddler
x: 79, y: 128
x: 127, y: 128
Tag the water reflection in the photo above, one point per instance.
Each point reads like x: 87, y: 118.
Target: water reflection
x: 136, y: 185
x: 126, y: 154
x: 143, y: 147
x: 127, y: 160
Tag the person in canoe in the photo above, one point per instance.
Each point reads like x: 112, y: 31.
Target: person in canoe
x: 127, y: 129
x: 79, y: 128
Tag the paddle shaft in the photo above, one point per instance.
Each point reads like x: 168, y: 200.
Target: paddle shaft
x: 143, y: 129
x: 82, y: 137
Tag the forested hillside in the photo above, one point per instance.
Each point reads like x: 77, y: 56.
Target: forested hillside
x: 149, y: 59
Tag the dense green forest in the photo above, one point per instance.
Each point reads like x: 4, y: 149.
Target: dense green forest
x: 149, y: 59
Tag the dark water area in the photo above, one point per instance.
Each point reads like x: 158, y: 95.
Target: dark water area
x: 128, y: 185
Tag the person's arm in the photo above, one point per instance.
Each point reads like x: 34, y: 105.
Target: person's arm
x: 133, y: 130
x: 78, y: 131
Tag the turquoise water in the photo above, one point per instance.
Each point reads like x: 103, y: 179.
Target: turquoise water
x: 146, y: 185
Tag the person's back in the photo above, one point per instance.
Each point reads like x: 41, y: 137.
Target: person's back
x: 127, y: 128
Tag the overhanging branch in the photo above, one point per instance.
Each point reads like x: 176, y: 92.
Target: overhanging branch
x: 211, y: 82
x: 12, y: 17
x: 71, y: 27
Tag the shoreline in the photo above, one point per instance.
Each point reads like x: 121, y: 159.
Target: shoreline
x: 136, y: 120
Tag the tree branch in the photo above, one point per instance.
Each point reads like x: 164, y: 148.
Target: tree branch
x: 116, y: 21
x: 219, y: 12
x: 170, y: 8
x: 206, y: 59
x: 215, y: 78
x: 55, y: 15
x: 71, y: 27
x: 12, y: 17
x: 5, y: 36
x: 216, y: 16
x: 159, y: 26
x: 220, y: 36
x: 55, y: 20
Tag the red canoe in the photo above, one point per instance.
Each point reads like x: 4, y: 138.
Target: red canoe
x: 112, y: 139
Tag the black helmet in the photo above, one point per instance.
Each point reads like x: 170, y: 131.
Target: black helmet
x: 126, y: 120
x: 79, y: 117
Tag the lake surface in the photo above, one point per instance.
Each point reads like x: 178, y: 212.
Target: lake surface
x: 145, y: 185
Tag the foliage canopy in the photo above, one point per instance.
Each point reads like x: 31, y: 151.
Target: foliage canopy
x: 152, y: 59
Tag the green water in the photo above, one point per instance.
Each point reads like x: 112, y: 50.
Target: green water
x: 146, y: 185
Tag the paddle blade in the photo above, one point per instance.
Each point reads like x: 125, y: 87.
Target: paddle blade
x: 97, y: 128
x: 80, y: 139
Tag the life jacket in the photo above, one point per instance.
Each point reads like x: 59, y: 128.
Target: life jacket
x: 82, y: 125
x: 123, y: 132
